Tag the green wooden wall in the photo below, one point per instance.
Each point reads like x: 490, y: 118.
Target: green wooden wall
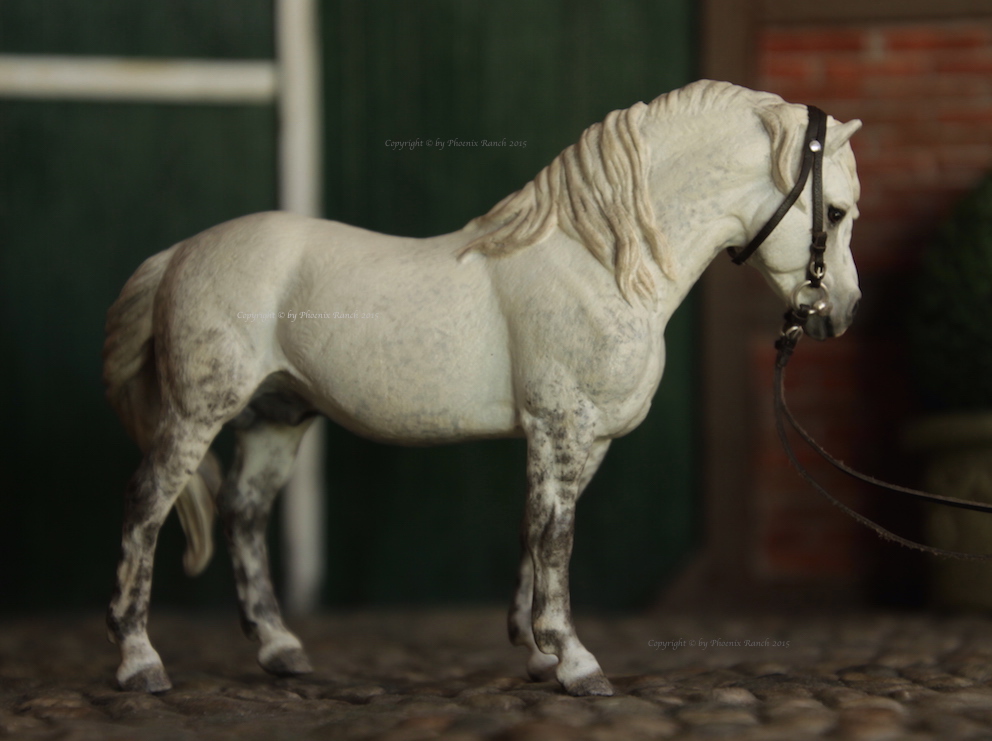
x: 529, y: 71
x: 88, y: 190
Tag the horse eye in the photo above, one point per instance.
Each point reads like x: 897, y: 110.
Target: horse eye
x: 835, y: 214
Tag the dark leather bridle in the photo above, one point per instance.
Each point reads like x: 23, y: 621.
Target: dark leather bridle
x: 814, y: 144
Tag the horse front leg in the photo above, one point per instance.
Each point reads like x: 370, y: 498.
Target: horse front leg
x: 541, y: 666
x: 556, y: 460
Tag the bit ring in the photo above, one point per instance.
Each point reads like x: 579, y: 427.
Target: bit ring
x: 820, y: 303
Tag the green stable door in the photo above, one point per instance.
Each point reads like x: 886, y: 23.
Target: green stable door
x: 88, y: 190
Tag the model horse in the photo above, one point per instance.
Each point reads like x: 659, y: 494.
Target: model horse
x: 544, y: 318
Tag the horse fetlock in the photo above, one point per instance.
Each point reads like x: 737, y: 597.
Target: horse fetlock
x: 113, y: 628
x: 248, y: 626
x: 518, y: 626
x: 541, y: 666
x: 550, y: 640
x: 125, y: 628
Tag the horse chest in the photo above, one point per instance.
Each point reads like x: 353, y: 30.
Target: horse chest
x: 612, y: 361
x: 630, y: 376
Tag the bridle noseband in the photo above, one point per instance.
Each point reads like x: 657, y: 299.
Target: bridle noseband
x: 814, y: 144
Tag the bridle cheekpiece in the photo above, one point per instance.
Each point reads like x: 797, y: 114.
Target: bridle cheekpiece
x: 802, y: 306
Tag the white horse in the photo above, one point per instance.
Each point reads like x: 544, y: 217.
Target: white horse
x: 544, y: 318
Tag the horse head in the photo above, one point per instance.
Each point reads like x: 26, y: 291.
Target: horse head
x: 784, y: 257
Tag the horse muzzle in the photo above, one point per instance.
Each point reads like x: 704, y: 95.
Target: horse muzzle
x: 828, y: 322
x: 824, y: 318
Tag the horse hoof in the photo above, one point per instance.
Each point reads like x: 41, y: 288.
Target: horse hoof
x: 151, y: 679
x: 287, y: 662
x: 592, y: 684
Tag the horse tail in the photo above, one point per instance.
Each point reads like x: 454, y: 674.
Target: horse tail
x: 133, y: 391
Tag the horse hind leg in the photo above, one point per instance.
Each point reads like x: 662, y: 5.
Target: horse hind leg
x: 201, y: 383
x: 166, y: 469
x: 263, y: 461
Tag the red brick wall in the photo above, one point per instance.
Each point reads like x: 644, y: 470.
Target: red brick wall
x: 924, y: 92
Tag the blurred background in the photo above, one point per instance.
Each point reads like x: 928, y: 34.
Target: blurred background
x: 698, y: 506
x: 89, y: 189
x: 917, y: 73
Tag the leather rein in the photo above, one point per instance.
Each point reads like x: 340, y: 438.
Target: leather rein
x: 800, y: 311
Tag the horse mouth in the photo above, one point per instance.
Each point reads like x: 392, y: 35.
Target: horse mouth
x: 822, y: 328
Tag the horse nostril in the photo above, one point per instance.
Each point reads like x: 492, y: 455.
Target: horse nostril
x: 854, y: 309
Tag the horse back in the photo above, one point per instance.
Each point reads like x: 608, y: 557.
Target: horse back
x: 392, y: 337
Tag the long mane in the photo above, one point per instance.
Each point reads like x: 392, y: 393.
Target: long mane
x: 596, y: 190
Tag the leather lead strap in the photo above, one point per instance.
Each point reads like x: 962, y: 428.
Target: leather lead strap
x: 795, y: 323
x: 786, y: 345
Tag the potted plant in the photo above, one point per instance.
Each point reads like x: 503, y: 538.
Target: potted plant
x: 950, y: 344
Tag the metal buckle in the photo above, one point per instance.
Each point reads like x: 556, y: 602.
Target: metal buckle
x: 792, y: 333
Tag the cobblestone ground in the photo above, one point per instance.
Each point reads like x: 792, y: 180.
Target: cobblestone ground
x: 450, y: 675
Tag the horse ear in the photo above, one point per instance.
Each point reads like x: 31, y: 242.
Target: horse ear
x: 840, y: 133
x: 782, y: 123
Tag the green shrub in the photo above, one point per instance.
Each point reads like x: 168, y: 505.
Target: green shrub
x: 950, y: 317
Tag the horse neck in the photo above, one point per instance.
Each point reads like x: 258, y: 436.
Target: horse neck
x: 706, y: 177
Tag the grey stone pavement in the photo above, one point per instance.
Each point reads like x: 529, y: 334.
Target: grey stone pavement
x: 407, y: 676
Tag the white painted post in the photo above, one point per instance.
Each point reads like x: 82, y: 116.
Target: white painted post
x: 124, y: 79
x: 300, y: 160
x: 294, y: 82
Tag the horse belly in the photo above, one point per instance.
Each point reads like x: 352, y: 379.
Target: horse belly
x: 404, y: 373
x: 390, y: 395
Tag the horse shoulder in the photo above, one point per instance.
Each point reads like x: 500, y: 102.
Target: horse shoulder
x: 575, y: 338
